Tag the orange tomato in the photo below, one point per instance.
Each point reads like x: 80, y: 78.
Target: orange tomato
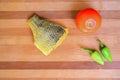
x: 88, y: 20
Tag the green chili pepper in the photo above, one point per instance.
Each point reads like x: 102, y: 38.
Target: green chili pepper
x: 105, y: 51
x: 95, y: 55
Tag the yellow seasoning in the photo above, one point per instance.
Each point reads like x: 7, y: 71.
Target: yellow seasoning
x: 47, y: 35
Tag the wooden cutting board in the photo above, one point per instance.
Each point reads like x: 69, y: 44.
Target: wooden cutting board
x: 21, y: 60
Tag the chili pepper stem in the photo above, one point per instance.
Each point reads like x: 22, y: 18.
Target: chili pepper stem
x: 101, y: 44
x: 95, y: 55
x: 88, y: 50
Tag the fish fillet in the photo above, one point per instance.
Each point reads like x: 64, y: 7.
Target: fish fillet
x: 47, y: 35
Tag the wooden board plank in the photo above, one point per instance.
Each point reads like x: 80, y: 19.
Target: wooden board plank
x: 73, y: 31
x: 59, y: 79
x: 60, y: 73
x: 77, y: 65
x: 23, y: 53
x: 70, y: 23
x: 28, y: 6
x: 28, y: 40
x: 55, y: 14
x: 55, y: 0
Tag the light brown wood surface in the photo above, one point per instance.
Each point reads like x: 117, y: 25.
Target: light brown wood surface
x: 21, y: 60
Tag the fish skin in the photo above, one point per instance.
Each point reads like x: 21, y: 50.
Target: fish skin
x: 47, y: 35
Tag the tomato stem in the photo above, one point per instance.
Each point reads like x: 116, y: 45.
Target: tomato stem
x: 90, y: 23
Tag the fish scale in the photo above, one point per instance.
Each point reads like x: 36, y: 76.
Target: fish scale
x: 47, y: 35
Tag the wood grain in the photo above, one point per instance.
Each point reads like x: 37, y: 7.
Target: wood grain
x: 59, y: 78
x: 28, y: 6
x: 58, y: 65
x: 55, y: 0
x: 55, y: 14
x: 53, y: 73
x: 21, y: 23
x: 21, y: 60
